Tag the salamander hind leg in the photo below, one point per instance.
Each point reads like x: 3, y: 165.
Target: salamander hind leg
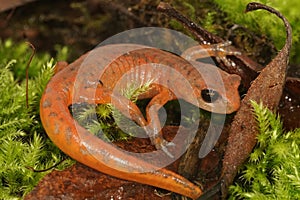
x: 220, y: 51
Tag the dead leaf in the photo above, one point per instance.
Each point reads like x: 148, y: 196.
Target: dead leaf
x: 266, y: 88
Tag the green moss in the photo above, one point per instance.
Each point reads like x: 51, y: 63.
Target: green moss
x: 23, y: 142
x: 105, y: 121
x: 272, y: 170
x: 266, y: 23
x: 219, y: 15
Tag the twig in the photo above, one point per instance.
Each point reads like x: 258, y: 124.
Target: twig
x: 202, y: 35
x: 114, y: 6
x: 27, y: 69
x: 44, y: 170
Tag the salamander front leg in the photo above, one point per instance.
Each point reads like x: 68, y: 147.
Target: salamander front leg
x: 151, y: 124
x: 153, y: 129
x: 101, y: 95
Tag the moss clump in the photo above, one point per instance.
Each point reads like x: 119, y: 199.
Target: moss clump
x: 23, y: 142
x: 272, y: 171
x: 105, y: 120
x: 266, y: 23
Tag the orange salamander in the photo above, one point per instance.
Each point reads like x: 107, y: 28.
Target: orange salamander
x: 89, y: 80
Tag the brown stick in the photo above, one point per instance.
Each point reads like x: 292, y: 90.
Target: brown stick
x: 27, y: 70
x: 47, y: 169
x: 118, y: 7
x: 202, y: 35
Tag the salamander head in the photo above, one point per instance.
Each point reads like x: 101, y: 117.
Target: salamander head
x: 218, y: 91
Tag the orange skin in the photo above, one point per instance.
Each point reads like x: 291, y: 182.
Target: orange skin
x: 86, y: 148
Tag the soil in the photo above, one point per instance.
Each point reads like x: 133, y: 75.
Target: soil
x: 80, y: 25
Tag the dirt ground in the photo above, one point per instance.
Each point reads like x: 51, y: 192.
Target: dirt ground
x: 80, y: 25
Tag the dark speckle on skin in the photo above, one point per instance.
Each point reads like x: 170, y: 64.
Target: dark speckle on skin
x: 53, y: 114
x: 47, y: 104
x: 56, y: 128
x: 68, y: 135
x: 48, y: 89
x: 58, y: 98
x: 66, y: 89
x: 197, y: 85
x: 90, y: 74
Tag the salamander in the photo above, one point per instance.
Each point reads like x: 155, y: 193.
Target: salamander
x: 94, y: 79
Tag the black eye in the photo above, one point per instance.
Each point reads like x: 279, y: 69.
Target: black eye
x: 209, y: 95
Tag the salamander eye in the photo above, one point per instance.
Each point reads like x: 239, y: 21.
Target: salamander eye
x: 209, y: 95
